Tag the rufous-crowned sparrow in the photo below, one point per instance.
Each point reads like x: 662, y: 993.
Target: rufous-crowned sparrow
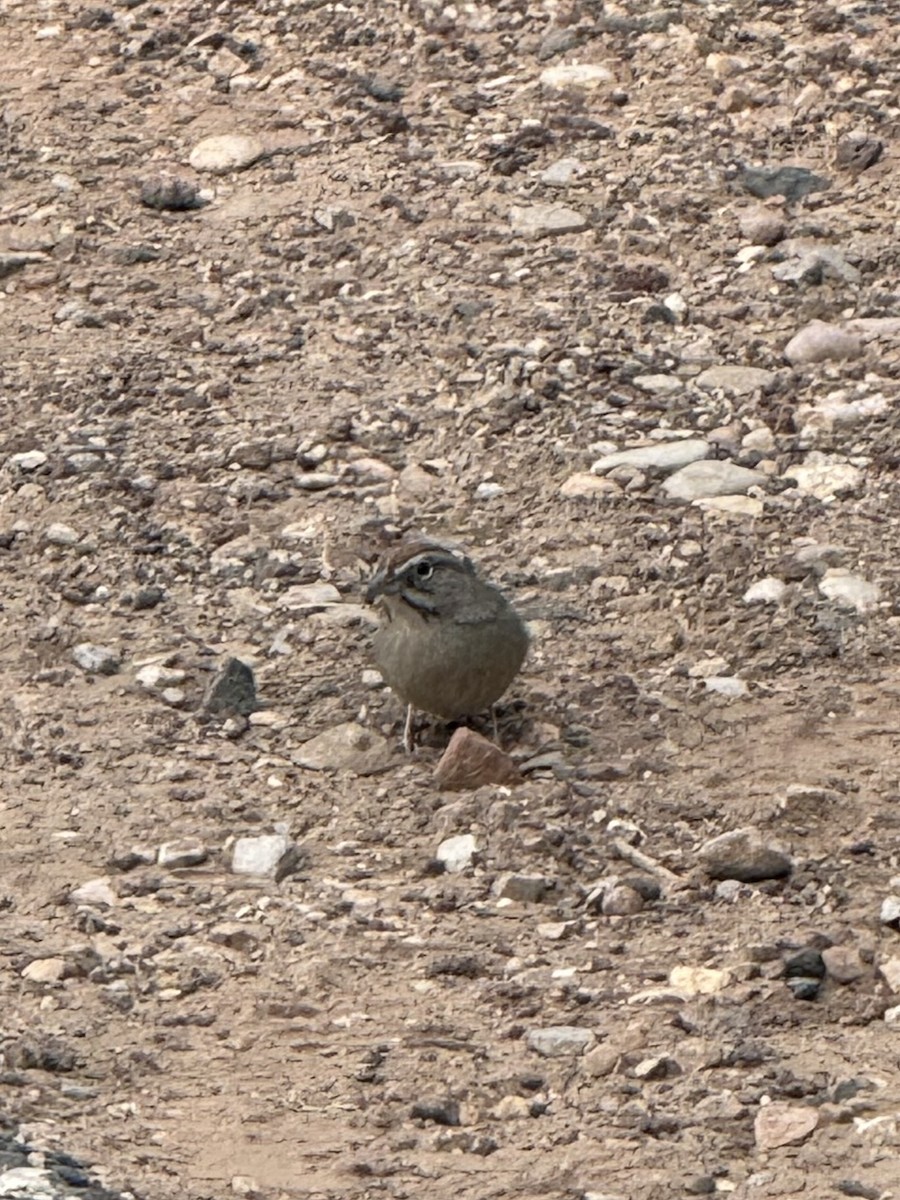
x: 449, y: 643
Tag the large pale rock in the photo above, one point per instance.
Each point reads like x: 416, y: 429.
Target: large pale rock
x: 559, y: 1041
x: 740, y: 381
x: 456, y: 853
x: 662, y: 456
x: 825, y: 475
x: 270, y: 854
x: 699, y: 981
x: 820, y: 342
x: 711, y: 477
x: 225, y: 152
x: 849, y: 590
x: 780, y: 1124
x: 347, y: 747
x: 546, y: 220
x: 743, y: 854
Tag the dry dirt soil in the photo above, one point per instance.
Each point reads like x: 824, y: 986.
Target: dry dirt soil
x: 354, y: 337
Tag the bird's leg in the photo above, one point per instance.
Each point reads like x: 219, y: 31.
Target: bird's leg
x: 494, y: 723
x: 408, y: 741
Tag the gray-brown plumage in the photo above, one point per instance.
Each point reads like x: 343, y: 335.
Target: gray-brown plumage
x: 449, y: 643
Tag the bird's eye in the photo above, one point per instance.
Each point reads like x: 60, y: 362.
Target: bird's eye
x: 424, y: 570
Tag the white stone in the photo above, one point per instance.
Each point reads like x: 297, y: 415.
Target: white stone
x: 698, y: 981
x: 44, y: 970
x: 875, y: 327
x: 762, y: 439
x: 97, y: 660
x: 820, y: 341
x: 262, y: 855
x: 456, y: 852
x: 489, y: 490
x: 461, y: 169
x: 546, y: 220
x: 562, y: 172
x: 731, y: 506
x: 557, y: 1041
x: 824, y: 475
x: 849, y: 590
x: 741, y: 381
x: 155, y: 676
x: 225, y: 152
x: 890, y: 971
x: 345, y: 747
x: 576, y: 75
x: 582, y: 486
x: 61, y: 535
x: 93, y: 891
x: 711, y: 477
x: 726, y: 685
x: 187, y: 852
x: 664, y: 456
x: 28, y: 460
x: 659, y: 385
x: 33, y: 1183
x: 765, y: 591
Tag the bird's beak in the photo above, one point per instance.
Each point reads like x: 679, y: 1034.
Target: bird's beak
x: 379, y: 584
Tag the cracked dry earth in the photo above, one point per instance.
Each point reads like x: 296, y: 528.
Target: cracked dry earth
x: 448, y: 281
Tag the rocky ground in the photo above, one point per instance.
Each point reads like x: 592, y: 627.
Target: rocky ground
x: 606, y: 293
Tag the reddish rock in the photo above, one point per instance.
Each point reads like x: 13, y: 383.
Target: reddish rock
x: 471, y: 761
